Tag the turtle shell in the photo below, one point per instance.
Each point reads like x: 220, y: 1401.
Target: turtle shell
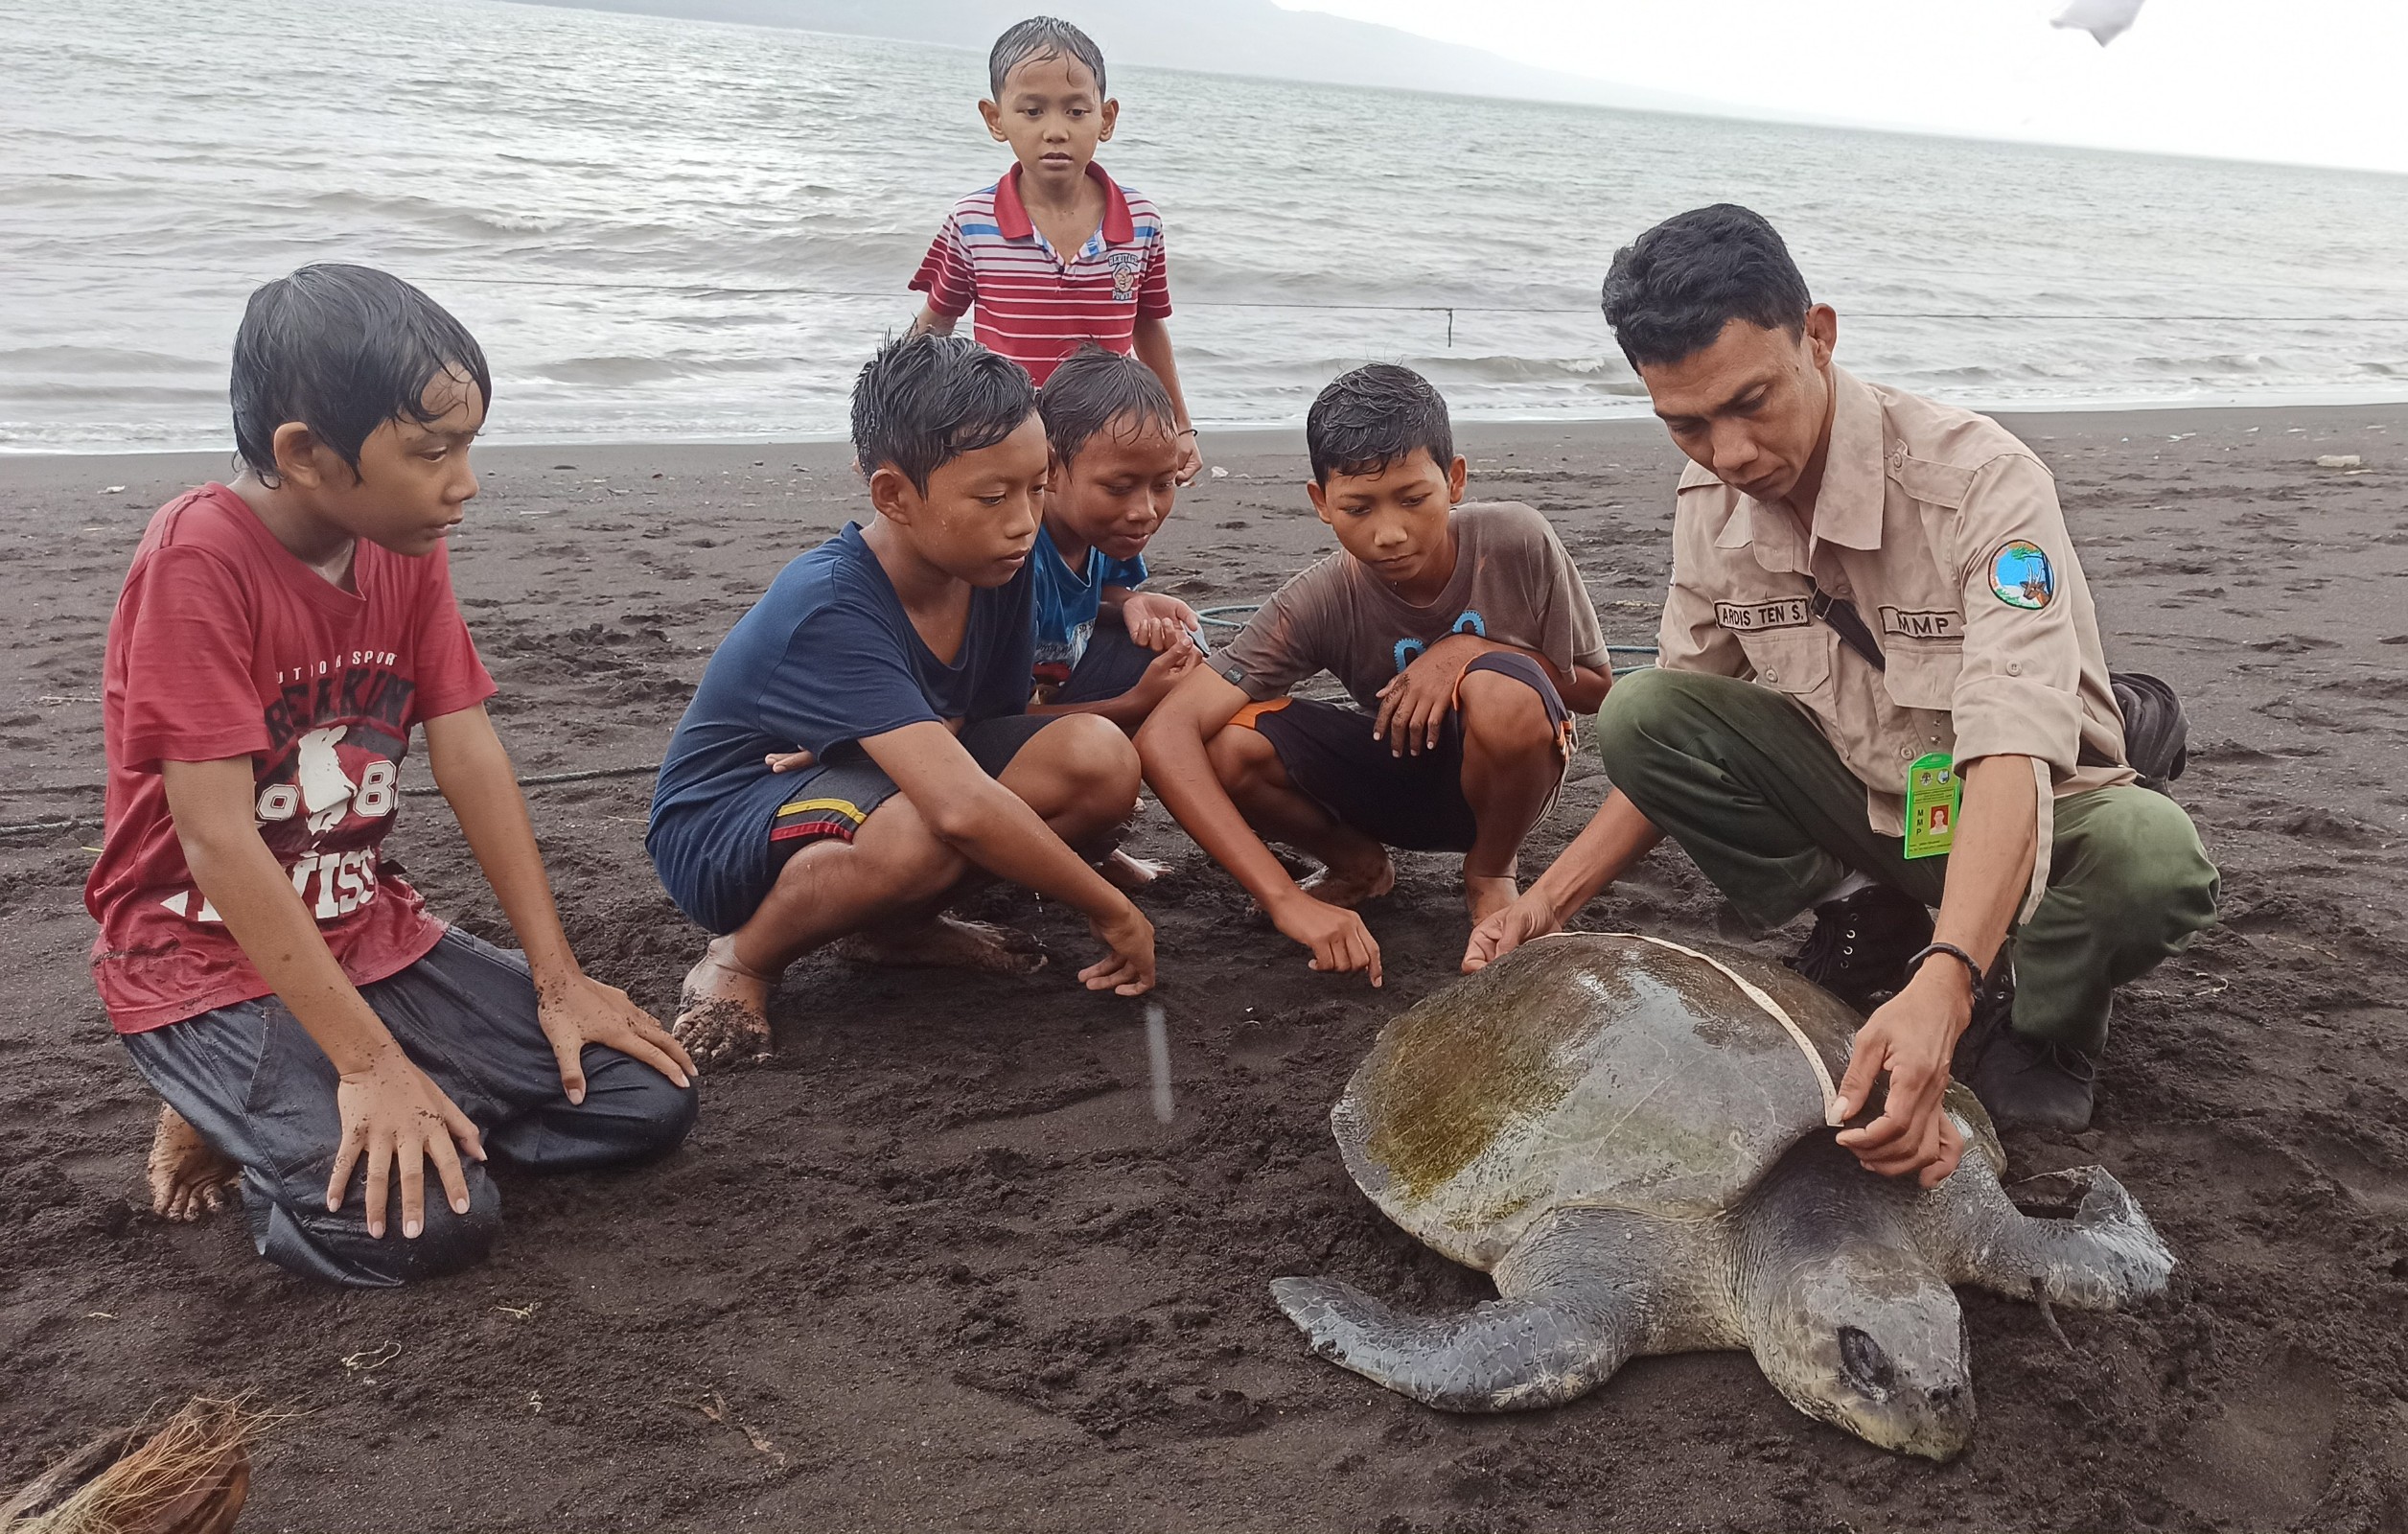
x: 1590, y: 1070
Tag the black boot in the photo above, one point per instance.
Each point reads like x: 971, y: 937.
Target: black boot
x: 2024, y: 1082
x: 1860, y: 942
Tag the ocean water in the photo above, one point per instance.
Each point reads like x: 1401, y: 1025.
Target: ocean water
x: 665, y: 229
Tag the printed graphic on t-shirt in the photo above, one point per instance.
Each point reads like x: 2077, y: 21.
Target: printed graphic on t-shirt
x: 327, y: 785
x: 1469, y: 622
x: 1057, y: 658
x: 1128, y: 267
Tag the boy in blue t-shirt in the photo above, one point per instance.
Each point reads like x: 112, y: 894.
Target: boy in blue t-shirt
x: 897, y: 658
x: 1103, y: 646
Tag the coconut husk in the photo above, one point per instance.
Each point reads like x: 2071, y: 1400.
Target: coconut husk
x: 188, y: 1476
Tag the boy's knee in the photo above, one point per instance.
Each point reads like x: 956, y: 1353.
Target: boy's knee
x: 663, y: 1112
x: 451, y: 1241
x: 1093, y: 765
x: 900, y: 841
x: 336, y: 1247
x: 1241, y: 758
x: 1101, y: 753
x: 1504, y: 714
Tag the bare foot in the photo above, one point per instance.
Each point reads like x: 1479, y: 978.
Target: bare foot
x: 1132, y: 873
x: 723, y: 1010
x: 947, y: 943
x: 1487, y: 893
x: 1348, y: 888
x: 188, y: 1178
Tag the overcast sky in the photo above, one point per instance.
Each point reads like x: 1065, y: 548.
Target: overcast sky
x: 2319, y: 81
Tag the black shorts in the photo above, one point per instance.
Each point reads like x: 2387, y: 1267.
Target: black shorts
x: 1113, y: 664
x: 833, y: 797
x: 1412, y: 801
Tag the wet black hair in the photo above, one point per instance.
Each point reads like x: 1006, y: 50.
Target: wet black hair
x: 1091, y: 388
x: 1670, y: 291
x: 925, y: 399
x: 1378, y: 415
x: 1040, y: 37
x: 342, y: 350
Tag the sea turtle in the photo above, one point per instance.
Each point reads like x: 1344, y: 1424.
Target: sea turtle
x: 1630, y: 1137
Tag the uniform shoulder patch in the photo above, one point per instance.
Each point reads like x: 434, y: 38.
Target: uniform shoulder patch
x: 2020, y: 575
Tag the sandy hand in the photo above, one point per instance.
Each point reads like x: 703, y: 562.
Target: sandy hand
x: 188, y: 1177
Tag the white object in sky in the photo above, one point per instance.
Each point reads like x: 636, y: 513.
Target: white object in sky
x: 2103, y: 19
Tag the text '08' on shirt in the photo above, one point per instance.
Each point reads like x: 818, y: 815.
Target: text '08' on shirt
x: 224, y: 645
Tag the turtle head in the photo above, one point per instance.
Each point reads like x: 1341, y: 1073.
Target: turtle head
x: 1876, y: 1346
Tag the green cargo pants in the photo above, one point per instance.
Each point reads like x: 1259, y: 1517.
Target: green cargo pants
x: 1743, y: 780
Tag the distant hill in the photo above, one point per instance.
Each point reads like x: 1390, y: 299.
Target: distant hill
x: 1217, y: 36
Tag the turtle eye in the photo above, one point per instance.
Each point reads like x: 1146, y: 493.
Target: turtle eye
x: 1865, y: 1361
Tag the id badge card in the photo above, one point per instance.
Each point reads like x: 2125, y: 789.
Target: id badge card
x: 1933, y: 794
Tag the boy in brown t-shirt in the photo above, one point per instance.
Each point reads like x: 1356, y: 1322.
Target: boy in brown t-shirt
x: 1462, y: 633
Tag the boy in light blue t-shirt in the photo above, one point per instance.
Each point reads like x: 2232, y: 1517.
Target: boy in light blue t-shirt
x: 1103, y: 646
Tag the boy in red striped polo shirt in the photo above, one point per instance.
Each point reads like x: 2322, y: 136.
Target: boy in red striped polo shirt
x: 1057, y: 252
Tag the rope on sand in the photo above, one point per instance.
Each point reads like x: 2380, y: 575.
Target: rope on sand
x: 540, y: 779
x: 28, y: 827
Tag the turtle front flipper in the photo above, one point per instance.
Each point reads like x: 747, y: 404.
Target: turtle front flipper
x: 2100, y: 1256
x: 1573, y: 1309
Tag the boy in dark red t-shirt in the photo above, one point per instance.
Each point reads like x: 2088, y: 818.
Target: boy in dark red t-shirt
x: 272, y: 976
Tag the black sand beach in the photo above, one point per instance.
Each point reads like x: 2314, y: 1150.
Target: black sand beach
x: 937, y: 1265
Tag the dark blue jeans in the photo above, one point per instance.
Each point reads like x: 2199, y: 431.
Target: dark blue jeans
x: 260, y: 1090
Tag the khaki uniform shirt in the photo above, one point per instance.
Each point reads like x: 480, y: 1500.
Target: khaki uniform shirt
x: 1944, y: 531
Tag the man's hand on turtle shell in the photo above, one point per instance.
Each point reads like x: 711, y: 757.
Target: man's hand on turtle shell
x: 1530, y: 916
x: 1908, y: 1039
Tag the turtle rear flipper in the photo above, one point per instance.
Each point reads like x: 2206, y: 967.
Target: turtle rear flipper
x: 1505, y: 1354
x: 1571, y: 1311
x: 2104, y: 1255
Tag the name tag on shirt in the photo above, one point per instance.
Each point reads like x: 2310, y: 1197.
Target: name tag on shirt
x: 1922, y: 625
x: 1746, y: 618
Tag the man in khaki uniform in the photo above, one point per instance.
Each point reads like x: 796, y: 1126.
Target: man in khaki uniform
x: 1863, y: 579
